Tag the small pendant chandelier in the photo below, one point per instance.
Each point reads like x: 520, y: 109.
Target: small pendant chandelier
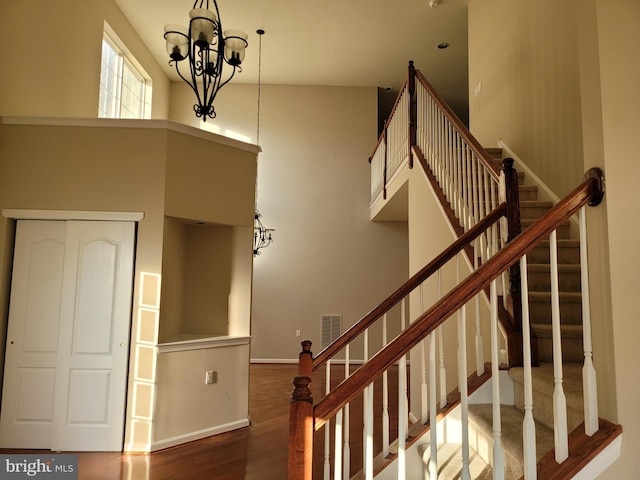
x: 262, y: 236
x: 207, y: 48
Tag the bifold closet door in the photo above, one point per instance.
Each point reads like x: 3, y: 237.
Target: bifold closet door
x: 67, y: 341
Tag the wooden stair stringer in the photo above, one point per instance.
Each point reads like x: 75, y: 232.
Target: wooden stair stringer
x: 582, y: 450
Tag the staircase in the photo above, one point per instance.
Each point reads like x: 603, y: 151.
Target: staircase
x: 545, y: 401
x: 539, y: 280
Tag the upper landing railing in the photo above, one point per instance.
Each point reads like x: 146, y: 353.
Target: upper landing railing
x: 467, y: 180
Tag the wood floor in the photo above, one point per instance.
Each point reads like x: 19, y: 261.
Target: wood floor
x: 258, y: 452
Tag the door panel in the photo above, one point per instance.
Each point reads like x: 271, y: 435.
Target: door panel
x: 26, y: 418
x: 67, y: 344
x: 96, y: 311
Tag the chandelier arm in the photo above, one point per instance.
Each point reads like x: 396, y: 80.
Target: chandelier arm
x: 193, y: 66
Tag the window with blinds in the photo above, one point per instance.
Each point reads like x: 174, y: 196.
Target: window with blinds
x: 123, y: 88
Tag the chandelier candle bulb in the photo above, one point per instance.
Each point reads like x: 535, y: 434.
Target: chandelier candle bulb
x: 207, y: 50
x: 203, y: 23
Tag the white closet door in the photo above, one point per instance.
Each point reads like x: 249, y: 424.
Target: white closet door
x: 26, y: 419
x: 86, y: 388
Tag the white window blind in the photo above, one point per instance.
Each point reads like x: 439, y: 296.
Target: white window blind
x: 122, y: 86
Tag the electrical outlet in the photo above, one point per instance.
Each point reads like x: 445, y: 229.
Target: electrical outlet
x: 210, y: 377
x: 298, y: 333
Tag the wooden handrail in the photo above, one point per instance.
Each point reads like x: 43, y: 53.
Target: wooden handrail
x: 359, y: 327
x: 589, y: 191
x: 470, y: 140
x: 393, y: 110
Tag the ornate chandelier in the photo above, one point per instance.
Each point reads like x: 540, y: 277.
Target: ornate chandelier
x: 207, y: 48
x: 262, y: 236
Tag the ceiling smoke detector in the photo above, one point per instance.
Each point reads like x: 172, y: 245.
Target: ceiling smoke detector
x: 434, y: 3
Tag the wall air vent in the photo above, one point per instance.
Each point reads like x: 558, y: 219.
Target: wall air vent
x: 331, y: 328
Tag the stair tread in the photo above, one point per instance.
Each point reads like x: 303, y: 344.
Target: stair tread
x: 543, y: 380
x: 567, y: 331
x: 450, y: 462
x: 562, y: 242
x: 536, y: 203
x: 569, y: 297
x: 545, y: 267
x: 511, y: 428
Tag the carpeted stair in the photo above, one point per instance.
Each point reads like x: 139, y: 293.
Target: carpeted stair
x: 539, y: 280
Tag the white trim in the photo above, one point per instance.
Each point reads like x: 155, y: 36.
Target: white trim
x: 131, y: 123
x: 529, y: 175
x: 602, y: 461
x: 202, y: 343
x: 287, y: 361
x: 199, y: 434
x: 26, y: 214
x: 530, y: 178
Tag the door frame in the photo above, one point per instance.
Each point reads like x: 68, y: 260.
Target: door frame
x: 77, y: 215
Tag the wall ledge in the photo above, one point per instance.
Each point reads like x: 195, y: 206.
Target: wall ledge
x: 131, y: 123
x: 202, y: 343
x: 27, y: 214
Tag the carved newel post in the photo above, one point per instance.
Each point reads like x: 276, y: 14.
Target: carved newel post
x: 301, y: 418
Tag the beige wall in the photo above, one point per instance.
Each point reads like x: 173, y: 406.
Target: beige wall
x: 590, y: 51
x: 51, y: 57
x: 121, y: 166
x: 313, y: 188
x: 618, y: 37
x: 429, y: 236
x: 77, y: 168
x: 185, y: 404
x: 525, y: 56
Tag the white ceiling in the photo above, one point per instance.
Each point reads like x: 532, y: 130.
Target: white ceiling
x: 331, y: 42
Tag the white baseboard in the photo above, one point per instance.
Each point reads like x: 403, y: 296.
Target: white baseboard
x: 274, y: 360
x: 198, y: 435
x: 602, y: 461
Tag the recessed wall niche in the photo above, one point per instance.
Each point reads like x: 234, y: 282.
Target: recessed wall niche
x: 197, y: 269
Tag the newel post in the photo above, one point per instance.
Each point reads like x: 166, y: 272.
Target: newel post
x: 301, y: 418
x: 513, y: 230
x: 514, y: 302
x: 413, y: 111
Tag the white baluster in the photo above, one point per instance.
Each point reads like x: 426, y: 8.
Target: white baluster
x: 465, y: 474
x: 368, y: 445
x: 487, y: 199
x: 589, y: 384
x: 337, y: 466
x: 327, y: 427
x: 402, y: 414
x: 403, y: 323
x: 479, y: 339
x: 465, y: 190
x: 367, y: 417
x: 385, y: 396
x: 560, y: 428
x: 475, y: 191
x: 433, y: 410
x: 498, y: 453
x: 424, y: 407
x: 440, y: 333
x: 442, y: 369
x: 346, y: 463
x: 528, y: 424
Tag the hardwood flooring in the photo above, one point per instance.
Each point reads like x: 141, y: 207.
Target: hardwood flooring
x: 258, y: 452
